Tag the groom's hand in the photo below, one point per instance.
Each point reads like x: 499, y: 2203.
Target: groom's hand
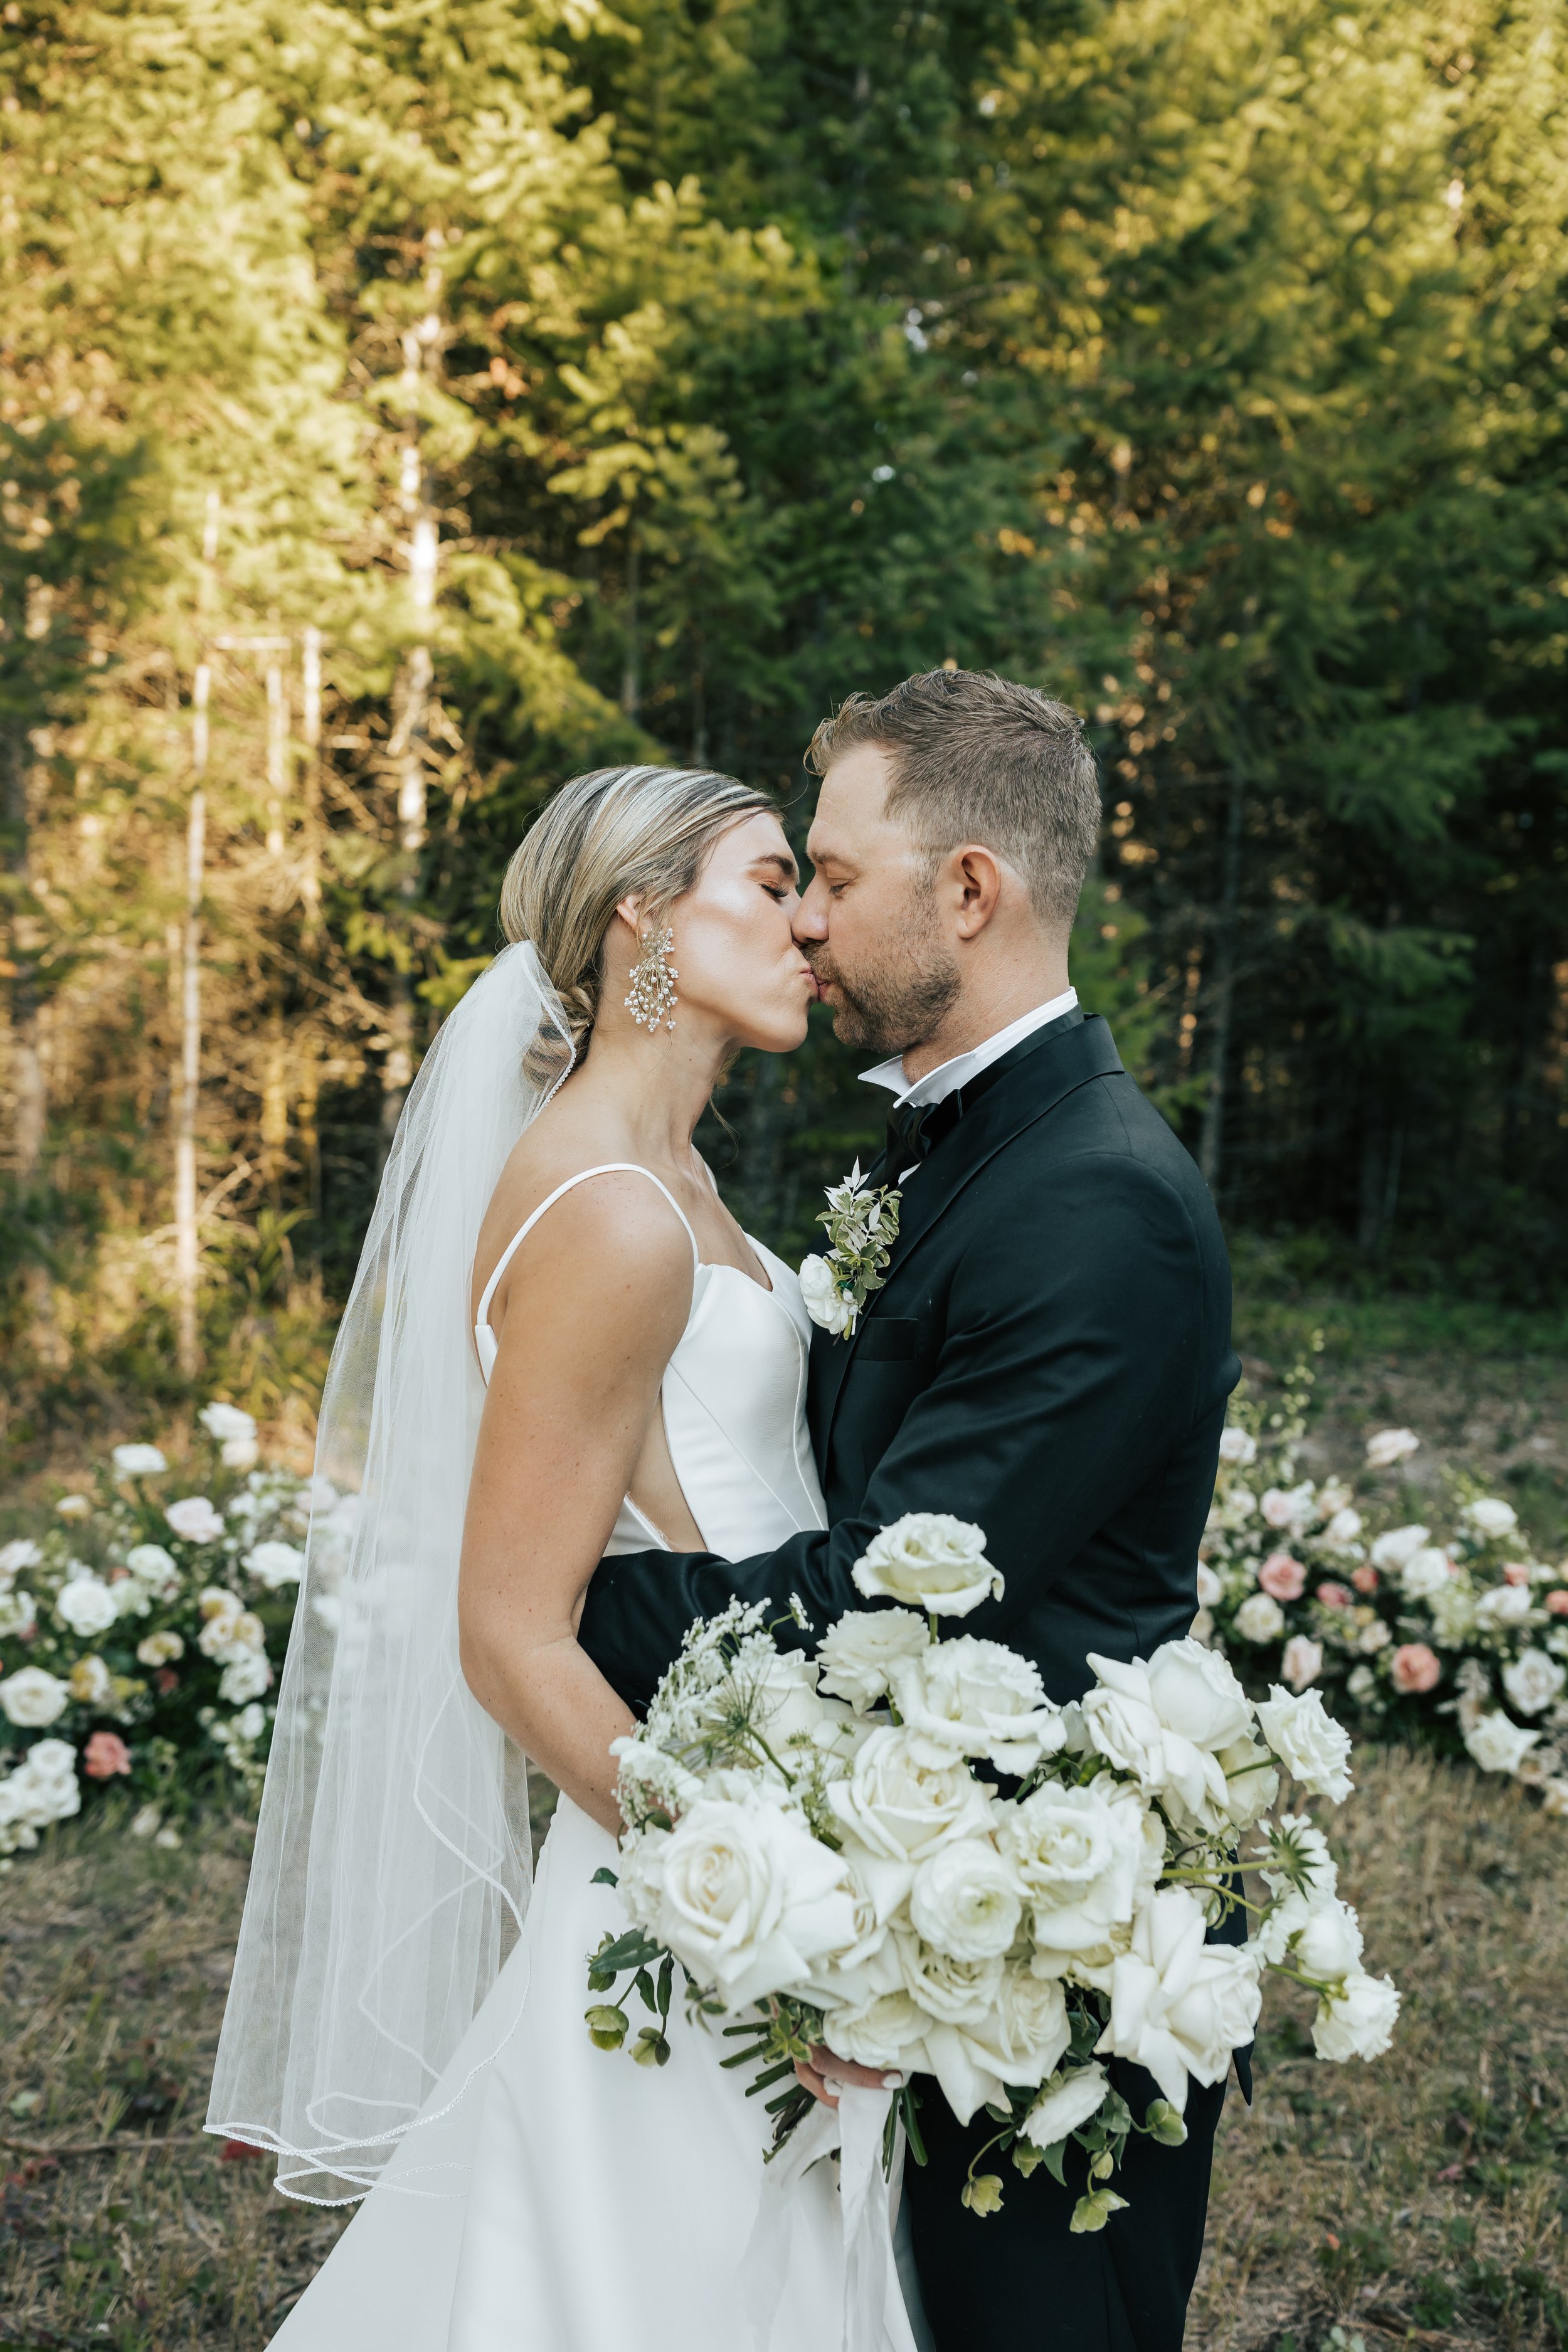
x: 826, y: 2069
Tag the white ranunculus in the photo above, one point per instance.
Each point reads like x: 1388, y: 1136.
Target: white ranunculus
x: 897, y: 1808
x: 32, y: 1699
x: 16, y: 1555
x: 1079, y: 1856
x: 1384, y: 1447
x: 1179, y: 2005
x: 1397, y: 1545
x: 1302, y: 1661
x: 966, y: 1900
x: 1533, y: 1681
x: 968, y: 1698
x: 275, y: 1564
x: 1505, y: 1604
x: 1210, y: 1590
x: 138, y: 1460
x: 747, y: 1898
x: 1358, y: 2023
x: 245, y: 1677
x: 1425, y: 1572
x: 886, y: 2032
x: 1066, y: 2101
x: 1237, y: 1448
x: 86, y: 1604
x: 1490, y: 1517
x: 822, y: 1298
x: 1311, y: 1745
x: 1291, y: 1507
x: 929, y: 1561
x: 193, y: 1518
x: 227, y: 1422
x: 1496, y: 1744
x: 1260, y: 1618
x: 857, y: 1652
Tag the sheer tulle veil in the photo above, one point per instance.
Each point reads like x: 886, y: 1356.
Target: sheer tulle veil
x: 393, y: 1860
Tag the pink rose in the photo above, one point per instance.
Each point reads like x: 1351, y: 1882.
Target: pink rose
x: 1515, y: 1571
x: 1284, y: 1578
x: 105, y: 1755
x: 1414, y: 1668
x: 1333, y: 1596
x: 1557, y: 1602
x: 1365, y: 1580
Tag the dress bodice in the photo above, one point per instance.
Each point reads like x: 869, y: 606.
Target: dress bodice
x: 733, y: 1397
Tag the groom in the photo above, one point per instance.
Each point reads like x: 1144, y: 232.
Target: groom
x: 1049, y: 1357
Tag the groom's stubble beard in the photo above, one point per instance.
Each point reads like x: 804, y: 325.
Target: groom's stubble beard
x: 898, y: 1002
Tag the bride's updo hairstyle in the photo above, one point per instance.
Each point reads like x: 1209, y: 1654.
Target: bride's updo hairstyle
x: 615, y: 833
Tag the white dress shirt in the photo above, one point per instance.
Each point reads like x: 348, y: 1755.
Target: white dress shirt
x: 958, y: 1071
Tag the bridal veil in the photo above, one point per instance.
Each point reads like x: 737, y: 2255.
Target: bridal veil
x: 393, y: 1858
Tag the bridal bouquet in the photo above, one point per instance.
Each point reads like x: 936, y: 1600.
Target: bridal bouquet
x: 815, y: 1843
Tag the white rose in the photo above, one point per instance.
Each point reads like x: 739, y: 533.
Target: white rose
x: 747, y: 1897
x: 965, y: 1900
x: 1260, y: 1618
x: 968, y: 1698
x: 74, y: 1507
x: 1080, y: 1857
x: 1344, y: 1527
x: 240, y: 1453
x: 1020, y: 2039
x: 275, y: 1564
x: 1290, y: 1507
x: 1453, y: 1608
x: 857, y: 1652
x: 887, y: 2031
x: 1533, y: 1681
x: 1237, y: 1448
x: 1505, y: 1604
x: 1490, y: 1517
x: 1496, y: 1744
x: 195, y: 1518
x: 1122, y: 1723
x: 897, y: 1808
x: 86, y: 1604
x: 1179, y: 2005
x: 931, y: 1562
x: 1210, y: 1590
x: 138, y: 1460
x: 131, y: 1598
x: 1328, y: 1945
x: 153, y: 1567
x: 1358, y: 2023
x: 1302, y: 1661
x: 1311, y: 1745
x: 1373, y: 1636
x: 822, y: 1298
x: 951, y: 1991
x: 160, y: 1649
x: 245, y: 1677
x: 1387, y: 1446
x: 18, y: 1613
x: 90, y: 1681
x: 16, y: 1555
x: 1238, y: 1507
x: 1065, y: 2102
x: 227, y: 1422
x: 1397, y: 1545
x: 1251, y: 1782
x: 781, y: 1691
x: 1425, y: 1572
x: 32, y: 1699
x: 1196, y: 1693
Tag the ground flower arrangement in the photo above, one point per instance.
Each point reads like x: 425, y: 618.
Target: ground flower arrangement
x: 141, y: 1629
x: 823, y: 1848
x: 1453, y: 1633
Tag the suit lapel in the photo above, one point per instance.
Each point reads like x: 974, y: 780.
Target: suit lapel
x: 1029, y: 1093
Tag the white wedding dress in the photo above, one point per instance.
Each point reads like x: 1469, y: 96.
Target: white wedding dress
x: 560, y: 2197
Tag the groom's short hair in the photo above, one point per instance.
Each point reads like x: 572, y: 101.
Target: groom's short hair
x: 979, y: 758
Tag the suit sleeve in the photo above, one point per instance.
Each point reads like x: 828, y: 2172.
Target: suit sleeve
x: 1071, y: 1356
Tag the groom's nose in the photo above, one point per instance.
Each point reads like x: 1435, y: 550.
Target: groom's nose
x: 810, y: 923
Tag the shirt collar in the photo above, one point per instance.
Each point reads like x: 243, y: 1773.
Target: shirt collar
x: 939, y: 1083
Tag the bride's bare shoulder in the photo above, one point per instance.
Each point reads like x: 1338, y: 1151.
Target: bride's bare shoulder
x: 611, y: 1226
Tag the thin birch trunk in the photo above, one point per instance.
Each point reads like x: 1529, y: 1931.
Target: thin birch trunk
x: 187, y: 1268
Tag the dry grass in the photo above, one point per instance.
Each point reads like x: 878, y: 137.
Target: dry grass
x: 1419, y: 2200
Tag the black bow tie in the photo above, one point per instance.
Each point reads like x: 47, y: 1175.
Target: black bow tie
x: 914, y: 1130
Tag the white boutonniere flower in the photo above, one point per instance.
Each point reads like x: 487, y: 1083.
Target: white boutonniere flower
x: 862, y: 1221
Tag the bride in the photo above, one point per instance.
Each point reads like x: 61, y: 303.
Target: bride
x: 560, y: 1345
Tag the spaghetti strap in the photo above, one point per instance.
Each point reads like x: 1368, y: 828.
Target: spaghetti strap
x: 484, y: 1339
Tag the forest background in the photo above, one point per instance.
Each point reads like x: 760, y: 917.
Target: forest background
x: 405, y: 405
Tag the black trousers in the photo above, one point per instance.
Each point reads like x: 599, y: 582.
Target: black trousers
x: 1020, y: 2280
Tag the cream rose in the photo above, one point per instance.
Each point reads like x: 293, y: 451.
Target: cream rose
x: 747, y: 1898
x: 896, y: 1809
x: 1179, y: 2005
x: 1260, y: 1618
x: 1398, y: 1545
x: 1082, y: 1860
x: 968, y: 1698
x: 966, y: 1900
x: 1311, y: 1745
x: 887, y: 2031
x: 1021, y: 2038
x: 86, y: 1604
x: 1496, y: 1744
x: 931, y: 1562
x: 858, y: 1653
x: 32, y: 1699
x: 1425, y: 1572
x: 1532, y: 1681
x: 951, y: 1991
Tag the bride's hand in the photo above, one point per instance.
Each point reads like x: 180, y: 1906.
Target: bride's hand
x: 826, y: 2069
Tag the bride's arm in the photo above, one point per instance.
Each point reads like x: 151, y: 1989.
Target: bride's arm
x: 592, y: 1315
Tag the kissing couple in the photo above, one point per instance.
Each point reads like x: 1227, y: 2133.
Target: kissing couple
x: 572, y: 1406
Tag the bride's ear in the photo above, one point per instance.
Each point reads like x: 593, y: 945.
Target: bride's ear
x: 629, y: 910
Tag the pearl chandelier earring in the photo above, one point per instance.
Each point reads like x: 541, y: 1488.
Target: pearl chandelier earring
x: 651, y: 998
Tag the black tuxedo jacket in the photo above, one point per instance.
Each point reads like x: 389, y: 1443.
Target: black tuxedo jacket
x: 1049, y: 1357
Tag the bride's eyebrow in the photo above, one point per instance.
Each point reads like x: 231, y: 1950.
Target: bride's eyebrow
x: 784, y: 867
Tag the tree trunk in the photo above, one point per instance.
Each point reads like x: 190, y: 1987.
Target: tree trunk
x: 631, y: 672
x: 187, y: 1263
x: 1211, y: 1141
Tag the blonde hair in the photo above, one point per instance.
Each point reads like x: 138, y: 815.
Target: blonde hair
x: 617, y: 832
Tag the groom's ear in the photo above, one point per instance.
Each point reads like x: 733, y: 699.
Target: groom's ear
x: 973, y: 879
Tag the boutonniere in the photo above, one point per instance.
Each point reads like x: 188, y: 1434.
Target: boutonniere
x: 862, y: 1221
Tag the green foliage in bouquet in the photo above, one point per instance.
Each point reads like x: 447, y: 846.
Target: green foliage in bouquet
x: 1454, y: 1635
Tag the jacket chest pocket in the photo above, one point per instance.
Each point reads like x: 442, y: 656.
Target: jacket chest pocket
x: 889, y: 1339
